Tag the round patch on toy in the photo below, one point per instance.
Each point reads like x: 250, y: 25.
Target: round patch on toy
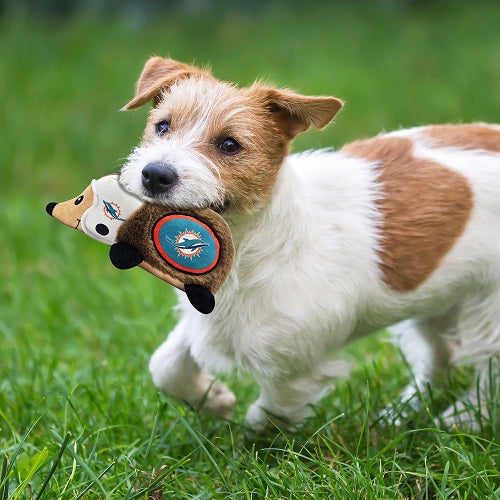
x: 186, y: 243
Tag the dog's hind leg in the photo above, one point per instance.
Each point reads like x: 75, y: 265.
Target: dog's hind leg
x: 177, y: 374
x: 426, y: 347
x: 478, y: 343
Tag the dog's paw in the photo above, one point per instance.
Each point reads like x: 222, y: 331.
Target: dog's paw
x: 256, y: 418
x: 219, y: 401
x: 261, y: 421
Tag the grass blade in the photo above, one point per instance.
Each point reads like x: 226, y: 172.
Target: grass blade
x: 54, y: 465
x: 198, y: 440
x: 40, y: 459
x: 4, y: 490
x: 80, y: 495
x: 164, y: 473
x: 18, y: 450
x: 82, y: 464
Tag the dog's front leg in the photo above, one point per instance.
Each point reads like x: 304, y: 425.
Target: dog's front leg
x: 285, y: 402
x: 177, y: 374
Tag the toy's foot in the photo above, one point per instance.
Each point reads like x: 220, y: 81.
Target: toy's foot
x: 200, y: 297
x: 124, y: 256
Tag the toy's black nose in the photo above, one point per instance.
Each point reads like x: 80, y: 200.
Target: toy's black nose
x: 50, y: 207
x: 157, y: 178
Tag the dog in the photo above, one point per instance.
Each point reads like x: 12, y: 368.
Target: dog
x: 401, y: 229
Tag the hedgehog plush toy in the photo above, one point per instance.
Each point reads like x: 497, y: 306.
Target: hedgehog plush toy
x: 190, y: 249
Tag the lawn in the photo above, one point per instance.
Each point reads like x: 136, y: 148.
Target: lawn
x: 79, y: 415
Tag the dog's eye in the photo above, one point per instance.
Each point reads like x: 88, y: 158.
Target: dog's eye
x: 79, y: 200
x: 229, y: 146
x: 162, y: 127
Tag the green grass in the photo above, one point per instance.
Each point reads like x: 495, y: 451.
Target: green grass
x: 78, y: 411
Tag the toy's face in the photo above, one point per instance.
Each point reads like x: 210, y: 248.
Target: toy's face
x: 99, y: 210
x: 71, y: 212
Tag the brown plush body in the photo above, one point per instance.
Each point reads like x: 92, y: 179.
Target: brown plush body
x: 137, y: 232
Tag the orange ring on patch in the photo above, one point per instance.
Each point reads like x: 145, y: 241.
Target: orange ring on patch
x: 156, y: 238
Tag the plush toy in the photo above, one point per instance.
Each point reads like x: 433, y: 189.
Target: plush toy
x: 190, y: 249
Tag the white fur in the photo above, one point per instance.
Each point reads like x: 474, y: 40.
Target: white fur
x: 306, y: 281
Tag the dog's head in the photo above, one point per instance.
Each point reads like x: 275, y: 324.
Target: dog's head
x: 208, y: 143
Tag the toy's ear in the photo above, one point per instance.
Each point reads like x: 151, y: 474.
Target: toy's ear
x: 70, y: 212
x: 158, y: 74
x: 295, y: 113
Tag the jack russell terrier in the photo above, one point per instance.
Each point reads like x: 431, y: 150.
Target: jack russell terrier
x: 403, y: 228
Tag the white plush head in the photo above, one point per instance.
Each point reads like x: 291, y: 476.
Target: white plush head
x: 99, y: 210
x: 111, y: 206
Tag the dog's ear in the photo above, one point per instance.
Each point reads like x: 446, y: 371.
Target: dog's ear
x: 159, y: 73
x: 295, y: 113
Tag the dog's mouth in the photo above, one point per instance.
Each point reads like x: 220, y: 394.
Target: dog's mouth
x: 220, y: 208
x: 78, y: 223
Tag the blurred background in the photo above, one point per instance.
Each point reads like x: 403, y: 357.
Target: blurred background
x: 66, y: 67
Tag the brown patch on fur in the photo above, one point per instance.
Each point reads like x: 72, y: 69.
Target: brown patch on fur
x: 475, y: 136
x: 425, y: 208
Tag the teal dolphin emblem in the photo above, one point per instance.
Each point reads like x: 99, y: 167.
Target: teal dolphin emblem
x: 111, y: 211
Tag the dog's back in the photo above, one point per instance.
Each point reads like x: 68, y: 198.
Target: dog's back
x: 400, y: 225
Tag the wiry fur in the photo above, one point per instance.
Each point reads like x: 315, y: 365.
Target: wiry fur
x: 309, y: 235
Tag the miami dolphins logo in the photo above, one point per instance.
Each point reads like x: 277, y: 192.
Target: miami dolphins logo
x: 189, y: 244
x: 178, y: 238
x: 112, y: 210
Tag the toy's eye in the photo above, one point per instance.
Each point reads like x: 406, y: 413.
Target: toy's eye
x: 102, y: 229
x: 79, y: 200
x: 162, y: 127
x: 229, y: 146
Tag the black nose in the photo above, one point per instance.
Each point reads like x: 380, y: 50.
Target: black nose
x: 50, y: 207
x: 157, y: 178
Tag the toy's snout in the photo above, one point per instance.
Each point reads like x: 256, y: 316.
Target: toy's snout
x: 70, y: 212
x: 50, y: 207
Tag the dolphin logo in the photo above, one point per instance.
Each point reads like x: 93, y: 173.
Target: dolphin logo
x: 112, y: 210
x: 190, y: 244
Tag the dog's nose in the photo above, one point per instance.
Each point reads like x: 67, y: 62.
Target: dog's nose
x: 157, y: 178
